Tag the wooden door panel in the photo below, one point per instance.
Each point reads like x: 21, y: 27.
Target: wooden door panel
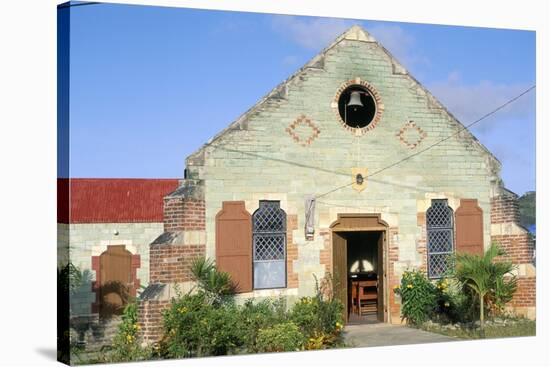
x: 469, y: 227
x: 234, y: 244
x: 340, y: 269
x: 381, y: 275
x: 115, y: 266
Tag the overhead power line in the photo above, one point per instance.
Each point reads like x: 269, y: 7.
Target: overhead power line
x: 337, y: 173
x: 465, y: 127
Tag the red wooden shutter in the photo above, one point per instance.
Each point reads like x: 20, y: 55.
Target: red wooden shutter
x: 234, y: 244
x: 469, y: 227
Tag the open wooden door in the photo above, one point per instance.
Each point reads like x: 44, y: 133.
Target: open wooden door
x: 340, y: 269
x: 381, y: 275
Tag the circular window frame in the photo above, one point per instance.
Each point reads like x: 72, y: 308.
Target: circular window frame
x: 379, y: 106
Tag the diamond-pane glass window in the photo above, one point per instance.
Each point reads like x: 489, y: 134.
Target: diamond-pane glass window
x: 269, y: 243
x: 440, y: 229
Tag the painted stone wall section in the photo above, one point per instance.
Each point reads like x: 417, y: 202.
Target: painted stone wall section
x: 519, y: 247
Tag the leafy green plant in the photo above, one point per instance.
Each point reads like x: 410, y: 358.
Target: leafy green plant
x: 255, y: 316
x: 489, y: 279
x: 215, y: 284
x: 418, y: 297
x: 320, y: 318
x: 205, y: 321
x: 453, y: 303
x: 284, y: 337
x: 126, y: 345
x: 69, y: 279
x: 194, y: 327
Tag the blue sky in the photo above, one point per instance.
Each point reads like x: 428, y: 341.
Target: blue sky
x: 149, y: 85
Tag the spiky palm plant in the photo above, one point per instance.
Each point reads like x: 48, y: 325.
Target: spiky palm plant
x: 486, y: 277
x: 215, y: 284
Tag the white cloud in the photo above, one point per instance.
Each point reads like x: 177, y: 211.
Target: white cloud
x: 470, y: 101
x: 317, y: 33
x: 290, y: 60
x: 311, y: 33
x: 399, y: 43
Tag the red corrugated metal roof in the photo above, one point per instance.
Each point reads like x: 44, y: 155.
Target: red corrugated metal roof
x: 112, y: 200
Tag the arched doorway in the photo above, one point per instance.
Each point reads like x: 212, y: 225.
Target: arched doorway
x: 359, y: 251
x: 116, y: 283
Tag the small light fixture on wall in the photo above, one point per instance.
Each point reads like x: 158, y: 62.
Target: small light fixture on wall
x: 115, y: 232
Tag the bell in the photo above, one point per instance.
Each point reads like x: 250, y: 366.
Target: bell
x: 355, y: 100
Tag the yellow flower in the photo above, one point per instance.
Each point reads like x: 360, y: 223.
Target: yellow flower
x: 447, y: 304
x: 396, y: 286
x: 410, y: 286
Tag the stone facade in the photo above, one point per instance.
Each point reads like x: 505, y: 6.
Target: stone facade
x: 292, y: 145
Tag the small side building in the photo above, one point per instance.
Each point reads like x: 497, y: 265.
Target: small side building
x: 104, y: 228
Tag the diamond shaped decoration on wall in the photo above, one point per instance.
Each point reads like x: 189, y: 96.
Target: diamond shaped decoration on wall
x: 411, y: 135
x: 303, y: 131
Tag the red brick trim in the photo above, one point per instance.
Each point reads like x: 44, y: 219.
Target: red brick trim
x: 303, y: 120
x: 411, y: 125
x: 394, y: 308
x: 291, y: 251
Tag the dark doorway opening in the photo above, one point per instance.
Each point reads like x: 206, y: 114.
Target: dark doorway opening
x: 364, y: 287
x: 361, y: 257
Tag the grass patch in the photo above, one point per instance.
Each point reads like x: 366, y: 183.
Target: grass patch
x: 522, y: 327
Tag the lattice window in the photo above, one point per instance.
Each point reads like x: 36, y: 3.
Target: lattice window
x: 440, y: 228
x: 269, y: 242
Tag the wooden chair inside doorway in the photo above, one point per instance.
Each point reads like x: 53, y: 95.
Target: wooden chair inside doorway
x: 367, y: 297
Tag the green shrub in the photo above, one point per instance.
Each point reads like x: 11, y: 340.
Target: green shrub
x: 418, y: 297
x: 126, y: 345
x: 453, y: 304
x: 490, y: 279
x: 259, y: 315
x: 216, y: 285
x: 320, y: 318
x: 284, y: 337
x: 207, y: 322
x: 193, y: 327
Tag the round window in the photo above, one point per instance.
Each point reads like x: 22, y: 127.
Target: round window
x: 356, y: 106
